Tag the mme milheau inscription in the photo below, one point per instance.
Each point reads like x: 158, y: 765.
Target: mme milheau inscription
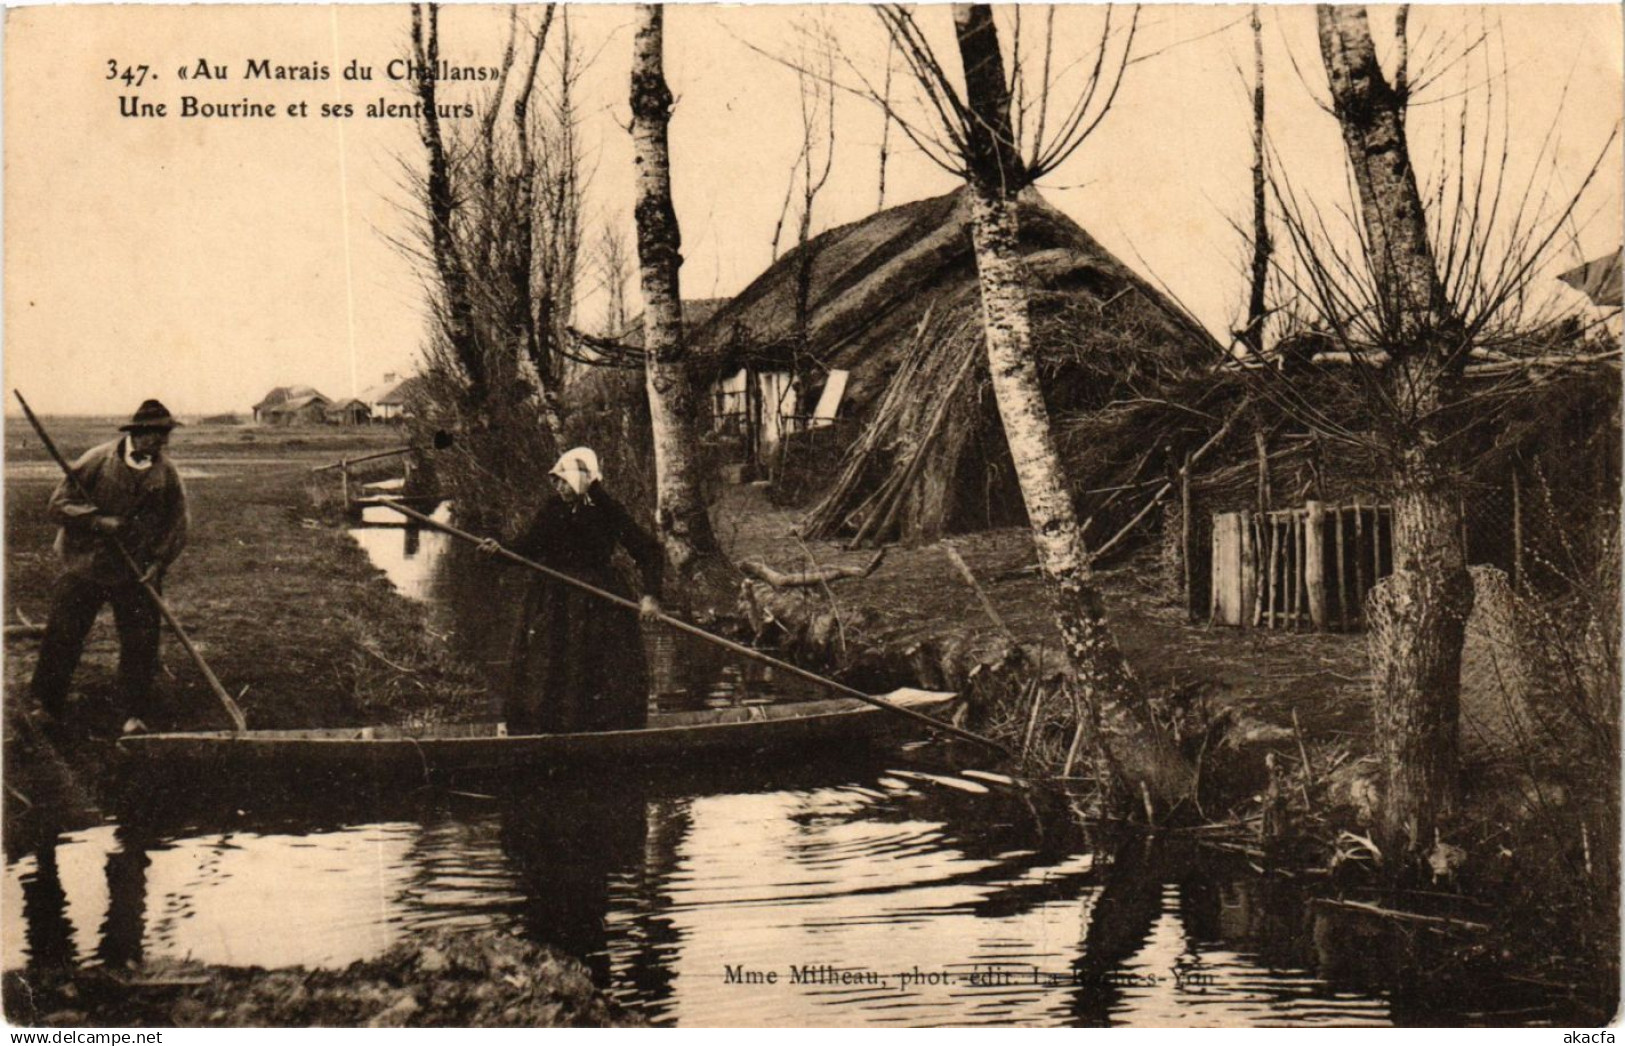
x: 1184, y: 975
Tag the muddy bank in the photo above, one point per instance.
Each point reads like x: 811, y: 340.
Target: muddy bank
x: 448, y: 980
x: 916, y: 620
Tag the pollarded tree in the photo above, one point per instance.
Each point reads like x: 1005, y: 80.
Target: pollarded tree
x: 1437, y: 282
x: 1425, y: 603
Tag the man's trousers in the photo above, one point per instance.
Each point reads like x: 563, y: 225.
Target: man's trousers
x: 74, y: 607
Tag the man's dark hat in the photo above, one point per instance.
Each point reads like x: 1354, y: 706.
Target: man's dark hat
x: 150, y: 415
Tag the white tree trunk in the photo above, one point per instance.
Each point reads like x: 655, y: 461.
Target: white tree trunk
x: 680, y: 516
x: 1140, y: 756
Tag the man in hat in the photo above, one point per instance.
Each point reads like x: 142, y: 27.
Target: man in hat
x: 129, y: 493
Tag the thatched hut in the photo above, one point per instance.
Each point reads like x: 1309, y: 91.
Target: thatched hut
x: 292, y: 405
x: 893, y: 329
x: 269, y: 410
x: 350, y: 411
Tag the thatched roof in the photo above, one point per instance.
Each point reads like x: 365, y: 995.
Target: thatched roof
x: 1600, y: 280
x: 298, y: 403
x: 872, y: 282
x: 894, y: 301
x: 283, y: 393
x: 402, y: 394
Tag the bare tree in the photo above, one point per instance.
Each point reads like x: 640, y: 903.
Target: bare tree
x: 981, y: 135
x: 1435, y: 284
x: 502, y: 198
x: 1426, y: 600
x: 813, y: 179
x: 456, y: 305
x: 681, y: 518
x: 885, y: 126
x: 614, y: 268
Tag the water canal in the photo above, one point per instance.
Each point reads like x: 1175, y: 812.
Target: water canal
x: 888, y: 890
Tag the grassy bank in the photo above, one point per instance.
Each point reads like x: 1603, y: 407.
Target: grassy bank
x: 286, y: 609
x: 447, y: 980
x: 283, y: 605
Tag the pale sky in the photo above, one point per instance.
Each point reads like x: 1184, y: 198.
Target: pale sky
x: 204, y: 261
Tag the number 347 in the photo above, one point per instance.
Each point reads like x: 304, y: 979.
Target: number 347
x: 132, y: 75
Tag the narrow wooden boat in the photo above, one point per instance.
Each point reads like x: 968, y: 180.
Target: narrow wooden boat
x: 485, y: 748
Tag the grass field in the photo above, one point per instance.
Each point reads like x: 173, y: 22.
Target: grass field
x: 285, y: 608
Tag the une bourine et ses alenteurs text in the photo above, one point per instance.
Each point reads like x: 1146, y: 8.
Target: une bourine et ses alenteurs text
x: 264, y: 70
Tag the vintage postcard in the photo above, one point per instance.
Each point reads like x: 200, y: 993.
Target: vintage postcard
x: 801, y: 516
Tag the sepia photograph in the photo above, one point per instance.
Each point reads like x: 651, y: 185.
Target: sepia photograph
x: 797, y: 516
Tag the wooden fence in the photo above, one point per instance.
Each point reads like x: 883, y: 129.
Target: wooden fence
x: 1305, y: 568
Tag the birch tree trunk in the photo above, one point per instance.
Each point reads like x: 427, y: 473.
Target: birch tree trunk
x: 1253, y: 336
x: 1420, y: 612
x: 1140, y: 756
x: 681, y: 519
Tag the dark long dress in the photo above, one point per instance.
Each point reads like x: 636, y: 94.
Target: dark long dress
x: 577, y: 660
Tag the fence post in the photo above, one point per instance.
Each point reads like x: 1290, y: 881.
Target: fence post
x: 1359, y: 559
x: 1262, y: 448
x: 1314, y: 562
x: 1343, y: 613
x: 1249, y: 569
x: 1185, y: 537
x: 1517, y: 532
x: 1275, y: 555
x: 1294, y: 571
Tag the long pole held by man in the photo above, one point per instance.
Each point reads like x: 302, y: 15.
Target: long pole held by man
x: 122, y: 516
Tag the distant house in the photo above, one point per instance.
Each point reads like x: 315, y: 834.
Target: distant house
x: 279, y: 397
x: 391, y: 399
x: 349, y: 412
x: 300, y: 410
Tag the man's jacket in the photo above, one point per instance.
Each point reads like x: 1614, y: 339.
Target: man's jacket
x: 151, y: 502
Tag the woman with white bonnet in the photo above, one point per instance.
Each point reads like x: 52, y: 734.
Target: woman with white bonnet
x: 578, y: 660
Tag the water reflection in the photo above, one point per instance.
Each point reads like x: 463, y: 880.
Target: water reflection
x: 568, y: 849
x: 838, y: 882
x: 45, y: 912
x: 123, y: 932
x: 474, y: 602
x: 900, y: 895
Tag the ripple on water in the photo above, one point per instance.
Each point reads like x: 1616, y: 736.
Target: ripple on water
x: 662, y: 893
